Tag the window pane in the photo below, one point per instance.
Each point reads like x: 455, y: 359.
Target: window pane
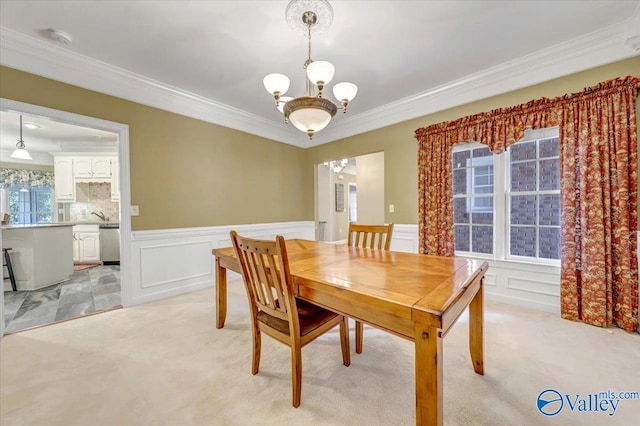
x: 483, y: 218
x: 460, y: 211
x: 482, y: 239
x: 549, y: 148
x: 523, y: 210
x: 482, y: 152
x: 523, y: 151
x: 549, y: 209
x: 460, y: 159
x: 482, y: 204
x: 549, y: 174
x: 550, y: 243
x: 523, y: 176
x: 461, y: 237
x: 523, y: 241
x: 460, y: 181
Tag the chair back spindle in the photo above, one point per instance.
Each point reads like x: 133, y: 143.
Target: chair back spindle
x: 370, y: 236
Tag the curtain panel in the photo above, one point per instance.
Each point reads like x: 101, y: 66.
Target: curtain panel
x: 599, y: 172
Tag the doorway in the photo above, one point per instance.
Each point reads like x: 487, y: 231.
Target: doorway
x: 348, y: 190
x: 122, y: 151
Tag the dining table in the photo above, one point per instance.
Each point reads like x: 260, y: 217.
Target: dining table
x: 415, y: 296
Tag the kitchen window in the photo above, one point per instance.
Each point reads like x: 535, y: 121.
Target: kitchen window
x: 30, y: 205
x: 507, y: 206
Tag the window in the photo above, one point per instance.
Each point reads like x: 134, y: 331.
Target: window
x: 30, y: 205
x: 508, y: 205
x: 473, y: 200
x: 534, y: 199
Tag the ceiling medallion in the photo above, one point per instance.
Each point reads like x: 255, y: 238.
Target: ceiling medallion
x: 310, y: 112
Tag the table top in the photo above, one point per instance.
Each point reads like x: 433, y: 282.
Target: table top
x: 403, y: 286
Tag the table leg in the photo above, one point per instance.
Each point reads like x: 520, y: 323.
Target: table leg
x: 221, y: 294
x: 476, y: 340
x: 429, y: 361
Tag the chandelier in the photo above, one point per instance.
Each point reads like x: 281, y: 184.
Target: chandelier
x: 310, y: 112
x: 336, y: 166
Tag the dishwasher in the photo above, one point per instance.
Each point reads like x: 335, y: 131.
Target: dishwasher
x: 110, y: 243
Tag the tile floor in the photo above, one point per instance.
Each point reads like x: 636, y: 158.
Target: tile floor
x: 90, y: 290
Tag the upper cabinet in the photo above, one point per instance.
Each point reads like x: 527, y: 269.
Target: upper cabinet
x: 92, y: 167
x: 70, y: 169
x: 64, y: 181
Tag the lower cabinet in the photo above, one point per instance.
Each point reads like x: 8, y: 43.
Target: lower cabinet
x: 86, y: 243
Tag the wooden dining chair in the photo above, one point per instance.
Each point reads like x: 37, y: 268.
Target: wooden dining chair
x: 371, y: 236
x: 276, y: 311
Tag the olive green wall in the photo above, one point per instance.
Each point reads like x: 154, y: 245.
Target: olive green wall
x: 400, y: 147
x: 185, y: 172
x: 188, y: 173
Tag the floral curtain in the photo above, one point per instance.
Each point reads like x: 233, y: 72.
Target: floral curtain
x: 23, y: 177
x: 599, y: 191
x: 598, y: 151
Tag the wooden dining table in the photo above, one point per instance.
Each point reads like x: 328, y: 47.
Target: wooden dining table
x: 418, y: 297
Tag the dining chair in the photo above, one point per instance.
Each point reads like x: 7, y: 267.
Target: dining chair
x: 276, y: 311
x: 369, y: 236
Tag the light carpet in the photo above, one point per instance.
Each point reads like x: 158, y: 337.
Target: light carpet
x: 165, y: 363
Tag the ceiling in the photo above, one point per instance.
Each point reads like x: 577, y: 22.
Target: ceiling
x: 207, y: 59
x: 50, y: 137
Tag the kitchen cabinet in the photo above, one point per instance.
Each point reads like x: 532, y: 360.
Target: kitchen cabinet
x: 115, y: 179
x: 72, y: 169
x: 65, y: 186
x: 92, y: 167
x: 86, y: 243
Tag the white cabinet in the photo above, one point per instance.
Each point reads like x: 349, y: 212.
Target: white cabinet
x: 92, y: 167
x: 71, y: 169
x: 65, y: 186
x: 115, y: 179
x: 86, y: 243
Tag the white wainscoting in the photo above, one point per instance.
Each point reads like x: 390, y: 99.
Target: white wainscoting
x: 169, y: 262
x: 174, y: 261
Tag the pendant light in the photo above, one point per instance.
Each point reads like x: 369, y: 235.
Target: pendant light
x: 21, y: 152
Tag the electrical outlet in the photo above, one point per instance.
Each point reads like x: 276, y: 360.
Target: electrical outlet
x: 392, y: 208
x: 135, y: 211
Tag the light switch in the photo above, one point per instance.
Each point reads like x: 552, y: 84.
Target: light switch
x: 392, y: 208
x: 135, y: 211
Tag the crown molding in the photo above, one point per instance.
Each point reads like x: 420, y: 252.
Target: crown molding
x: 38, y: 57
x: 48, y: 60
x: 589, y: 51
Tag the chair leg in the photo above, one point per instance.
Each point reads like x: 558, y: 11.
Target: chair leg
x: 296, y: 374
x: 257, y: 343
x: 344, y: 341
x: 359, y: 333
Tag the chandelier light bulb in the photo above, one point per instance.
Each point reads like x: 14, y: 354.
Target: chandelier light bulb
x: 345, y: 91
x: 283, y: 101
x: 320, y: 72
x: 276, y: 83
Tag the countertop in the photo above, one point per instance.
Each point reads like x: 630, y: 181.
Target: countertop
x: 39, y: 225
x: 52, y: 225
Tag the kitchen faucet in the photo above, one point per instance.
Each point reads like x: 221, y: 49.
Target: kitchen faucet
x: 101, y: 216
